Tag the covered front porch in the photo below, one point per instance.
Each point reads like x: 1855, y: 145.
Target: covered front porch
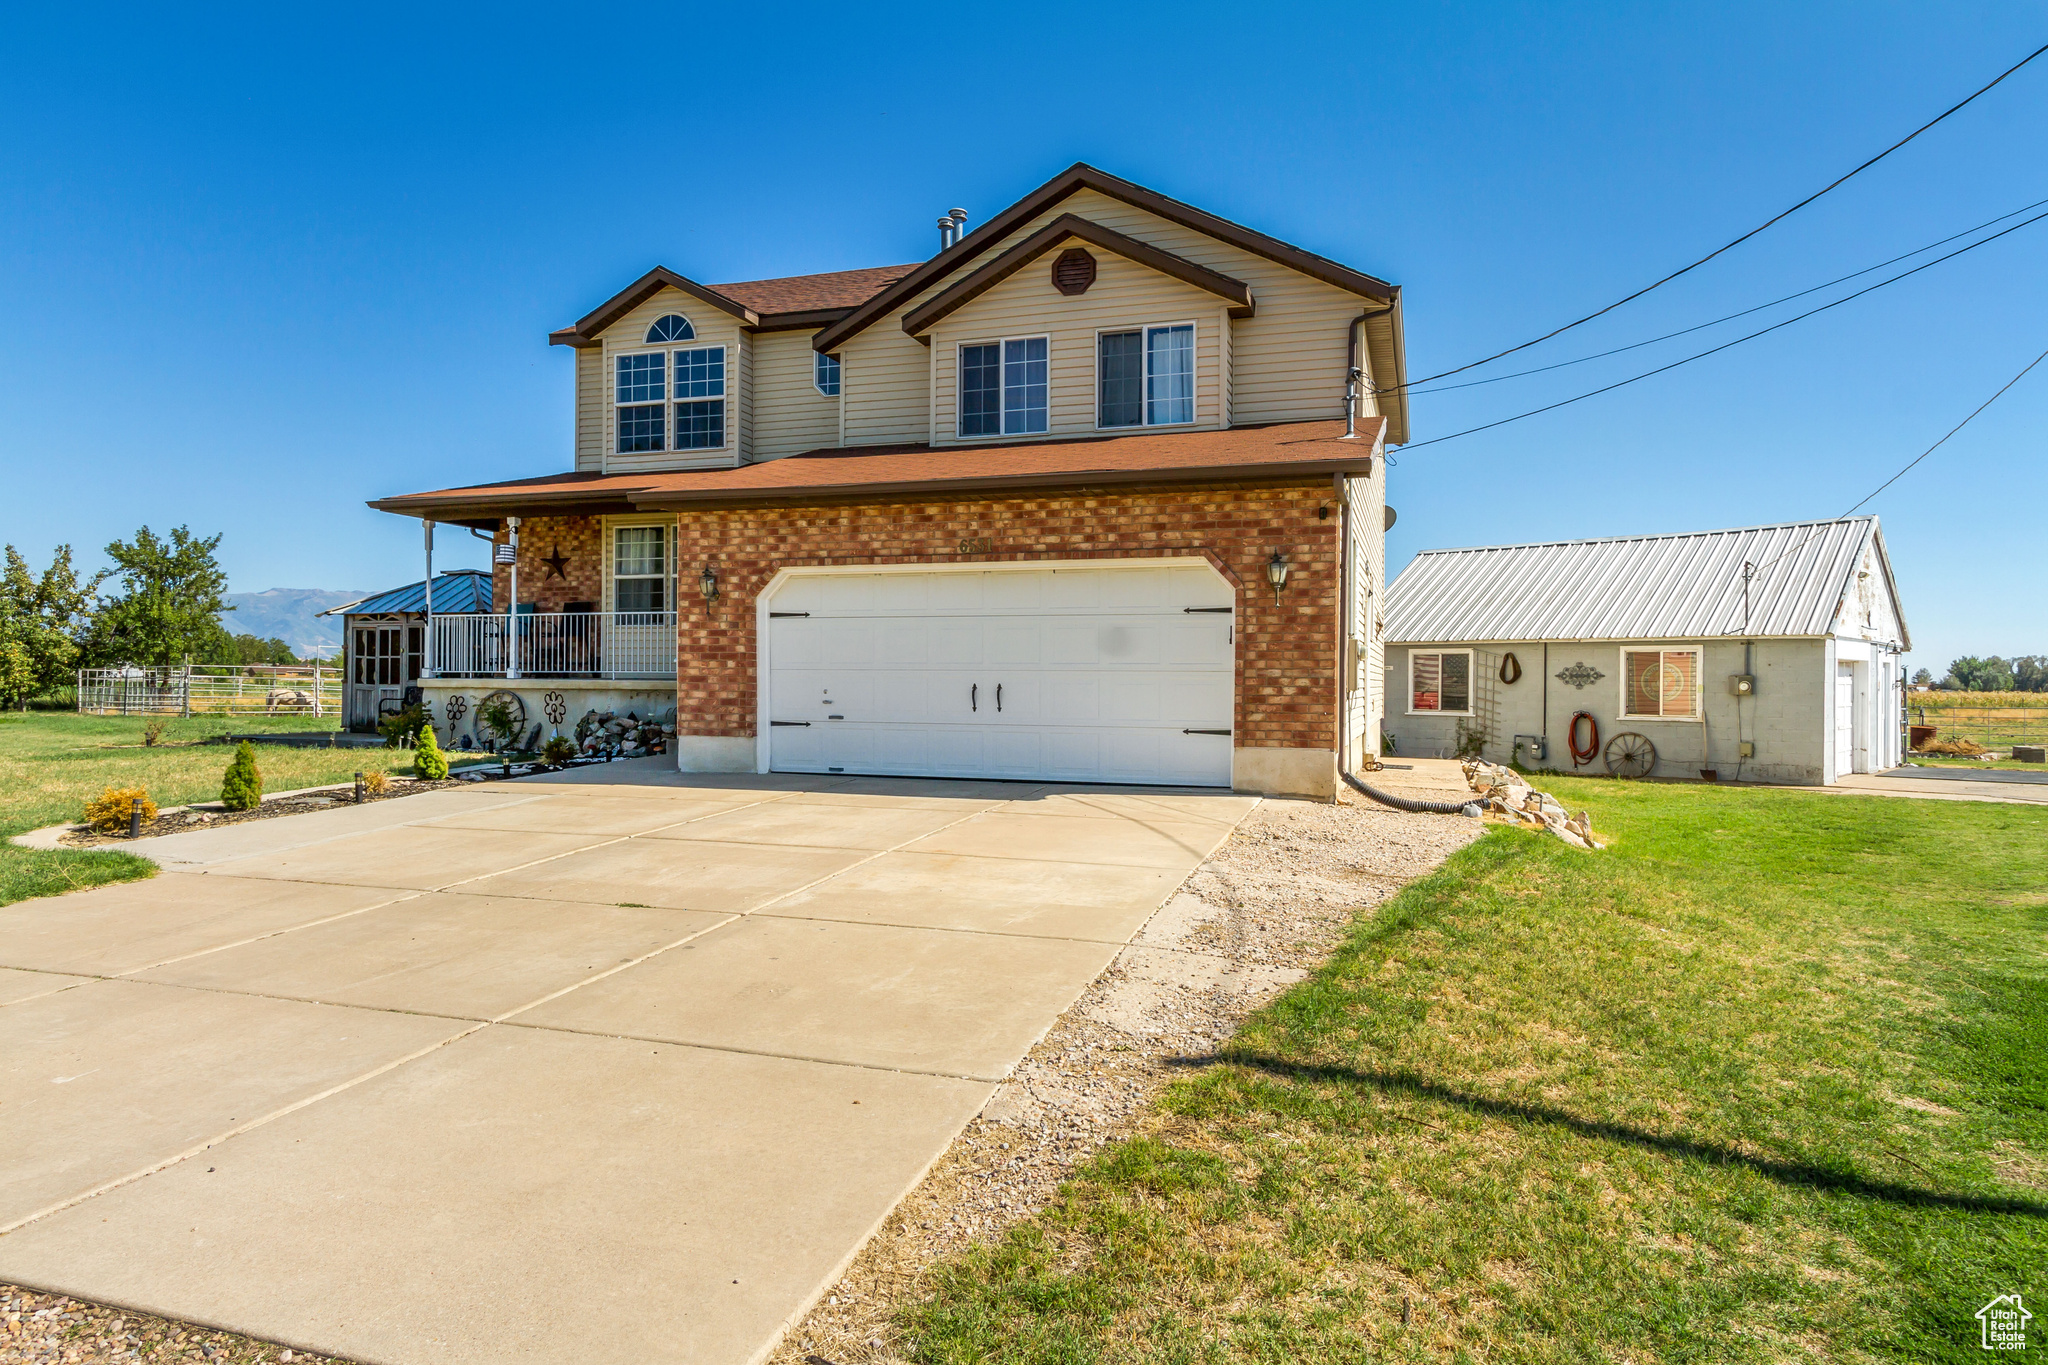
x: 582, y: 644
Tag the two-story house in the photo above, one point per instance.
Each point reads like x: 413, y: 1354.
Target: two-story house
x: 1095, y: 493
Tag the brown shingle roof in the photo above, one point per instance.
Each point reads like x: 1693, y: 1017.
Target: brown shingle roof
x: 806, y: 293
x: 1286, y: 449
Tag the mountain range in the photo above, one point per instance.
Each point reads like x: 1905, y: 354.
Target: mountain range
x: 291, y: 615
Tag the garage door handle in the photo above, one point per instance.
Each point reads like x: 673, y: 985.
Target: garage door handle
x: 1205, y: 732
x: 806, y: 724
x: 999, y: 696
x: 974, y: 697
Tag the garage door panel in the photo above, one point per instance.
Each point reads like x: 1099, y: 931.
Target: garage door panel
x: 1074, y: 699
x: 1013, y: 642
x: 1203, y: 640
x: 905, y: 644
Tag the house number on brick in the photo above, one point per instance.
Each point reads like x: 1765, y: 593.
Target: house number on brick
x: 976, y: 545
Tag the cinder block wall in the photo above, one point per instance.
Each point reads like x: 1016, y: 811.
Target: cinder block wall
x: 1786, y: 719
x: 1287, y: 660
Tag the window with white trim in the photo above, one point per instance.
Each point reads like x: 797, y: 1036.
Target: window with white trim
x: 651, y: 414
x: 825, y: 374
x: 1145, y: 377
x: 639, y: 568
x: 1660, y: 684
x: 1003, y: 387
x: 1440, y: 681
x: 674, y: 327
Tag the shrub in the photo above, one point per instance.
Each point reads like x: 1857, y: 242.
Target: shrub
x: 153, y: 733
x: 109, y: 811
x: 496, y: 716
x: 428, y: 761
x: 402, y: 730
x: 242, y: 787
x: 376, y: 782
x: 558, y: 750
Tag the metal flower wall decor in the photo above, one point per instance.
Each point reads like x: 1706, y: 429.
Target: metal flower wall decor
x: 1580, y: 675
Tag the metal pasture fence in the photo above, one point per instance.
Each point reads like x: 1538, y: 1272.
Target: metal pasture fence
x: 1998, y: 727
x: 211, y: 690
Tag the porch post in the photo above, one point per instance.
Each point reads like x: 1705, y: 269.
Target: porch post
x: 512, y: 619
x: 427, y: 639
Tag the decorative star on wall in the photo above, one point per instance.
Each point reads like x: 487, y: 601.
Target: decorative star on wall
x: 556, y: 562
x: 1580, y: 676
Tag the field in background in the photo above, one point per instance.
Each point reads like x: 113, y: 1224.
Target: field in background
x: 52, y: 762
x: 1760, y: 1083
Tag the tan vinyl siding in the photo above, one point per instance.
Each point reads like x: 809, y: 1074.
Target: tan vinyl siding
x: 885, y: 385
x: 589, y: 420
x: 790, y: 415
x: 1124, y: 297
x: 629, y: 333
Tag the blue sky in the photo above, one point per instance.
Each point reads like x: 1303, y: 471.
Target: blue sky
x: 260, y: 264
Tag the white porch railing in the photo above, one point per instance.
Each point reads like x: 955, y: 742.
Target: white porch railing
x: 562, y: 644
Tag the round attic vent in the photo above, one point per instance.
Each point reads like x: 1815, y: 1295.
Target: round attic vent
x: 1073, y: 272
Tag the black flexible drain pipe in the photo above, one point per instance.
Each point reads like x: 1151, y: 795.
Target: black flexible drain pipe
x: 1470, y: 808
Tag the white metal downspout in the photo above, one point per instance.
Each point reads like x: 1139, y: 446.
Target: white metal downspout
x: 512, y: 619
x: 427, y: 636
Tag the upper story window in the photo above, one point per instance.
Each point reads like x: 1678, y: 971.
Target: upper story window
x: 674, y: 327
x: 1003, y: 387
x: 1146, y: 377
x: 654, y: 414
x: 826, y: 374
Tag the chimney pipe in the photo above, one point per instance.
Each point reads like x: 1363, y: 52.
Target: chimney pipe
x: 945, y: 233
x: 959, y: 217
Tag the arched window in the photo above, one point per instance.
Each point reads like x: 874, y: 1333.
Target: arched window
x: 674, y: 327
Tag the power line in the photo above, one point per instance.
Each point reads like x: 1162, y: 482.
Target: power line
x: 1952, y: 431
x: 1716, y: 350
x: 1685, y: 331
x: 1840, y: 180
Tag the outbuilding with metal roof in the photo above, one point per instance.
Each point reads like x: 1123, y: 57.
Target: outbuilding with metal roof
x: 1765, y: 653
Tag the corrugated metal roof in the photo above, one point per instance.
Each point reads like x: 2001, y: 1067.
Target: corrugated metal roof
x: 456, y: 592
x: 1675, y: 587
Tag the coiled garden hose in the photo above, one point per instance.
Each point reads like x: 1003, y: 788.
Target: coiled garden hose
x: 1581, y: 757
x: 1470, y: 808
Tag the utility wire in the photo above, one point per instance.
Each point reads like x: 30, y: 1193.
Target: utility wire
x: 1685, y: 331
x: 1716, y: 350
x: 1952, y: 431
x: 1954, y: 108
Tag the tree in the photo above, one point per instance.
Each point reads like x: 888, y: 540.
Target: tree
x: 170, y: 602
x: 41, y: 620
x: 2030, y: 673
x: 428, y: 761
x: 1923, y: 679
x: 1972, y: 674
x: 251, y: 649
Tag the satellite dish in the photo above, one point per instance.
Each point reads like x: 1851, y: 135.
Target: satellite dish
x: 1390, y: 519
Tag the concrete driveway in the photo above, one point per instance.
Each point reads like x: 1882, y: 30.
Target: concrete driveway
x: 623, y: 1065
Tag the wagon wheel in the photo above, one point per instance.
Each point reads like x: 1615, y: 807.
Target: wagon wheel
x: 1630, y: 755
x: 513, y: 704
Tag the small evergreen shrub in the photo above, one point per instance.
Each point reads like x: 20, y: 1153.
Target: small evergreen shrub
x: 108, y: 812
x: 428, y: 761
x: 558, y: 750
x: 242, y: 787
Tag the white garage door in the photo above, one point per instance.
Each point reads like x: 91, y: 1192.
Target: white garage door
x: 1845, y: 719
x: 1082, y: 673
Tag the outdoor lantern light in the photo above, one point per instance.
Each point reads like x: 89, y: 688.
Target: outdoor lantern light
x: 1276, y: 573
x: 708, y: 583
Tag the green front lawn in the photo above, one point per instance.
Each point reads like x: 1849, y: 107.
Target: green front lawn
x: 52, y: 762
x: 1765, y: 1081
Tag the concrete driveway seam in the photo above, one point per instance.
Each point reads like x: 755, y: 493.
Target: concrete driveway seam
x: 274, y: 933
x: 878, y: 853
x: 1111, y: 941
x: 628, y: 965
x: 196, y: 1148
x: 936, y: 1072
x: 70, y: 980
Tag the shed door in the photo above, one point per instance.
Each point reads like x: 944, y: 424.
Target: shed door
x: 1845, y: 719
x: 1087, y: 673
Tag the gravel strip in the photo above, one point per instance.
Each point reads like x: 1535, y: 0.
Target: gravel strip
x: 1261, y: 913
x: 49, y: 1328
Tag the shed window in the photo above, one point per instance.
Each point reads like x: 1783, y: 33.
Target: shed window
x: 1663, y: 683
x: 1003, y: 387
x: 640, y: 568
x: 642, y: 380
x: 1146, y: 377
x: 826, y: 375
x: 1441, y: 681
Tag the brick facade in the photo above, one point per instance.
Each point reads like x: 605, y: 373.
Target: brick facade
x: 581, y: 543
x: 1287, y: 652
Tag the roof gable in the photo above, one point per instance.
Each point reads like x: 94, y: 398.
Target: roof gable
x: 1670, y: 587
x: 585, y: 331
x: 1083, y: 176
x: 1071, y: 227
